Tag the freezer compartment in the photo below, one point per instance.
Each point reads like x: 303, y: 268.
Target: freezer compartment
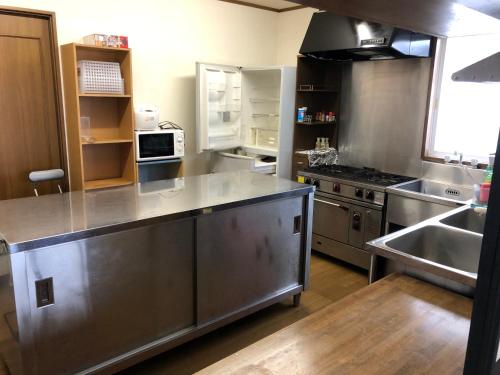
x: 239, y: 160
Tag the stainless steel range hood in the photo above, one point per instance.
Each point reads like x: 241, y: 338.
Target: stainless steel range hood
x: 332, y: 37
x: 485, y: 70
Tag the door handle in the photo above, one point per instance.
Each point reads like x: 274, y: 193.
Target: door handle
x: 331, y: 204
x: 44, y: 290
x: 297, y: 220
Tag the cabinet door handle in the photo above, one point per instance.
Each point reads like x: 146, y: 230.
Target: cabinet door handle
x: 297, y: 221
x: 331, y: 204
x: 44, y: 290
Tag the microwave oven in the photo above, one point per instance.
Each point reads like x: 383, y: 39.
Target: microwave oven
x: 159, y: 144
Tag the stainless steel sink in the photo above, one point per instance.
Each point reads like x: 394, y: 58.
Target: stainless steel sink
x: 468, y: 219
x: 442, y: 246
x: 435, y: 191
x: 446, y: 247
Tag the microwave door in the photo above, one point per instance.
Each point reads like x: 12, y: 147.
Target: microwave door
x: 155, y: 146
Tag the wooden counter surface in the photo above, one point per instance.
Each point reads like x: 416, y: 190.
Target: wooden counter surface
x: 399, y: 325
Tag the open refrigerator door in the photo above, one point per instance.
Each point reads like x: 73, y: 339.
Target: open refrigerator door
x: 218, y: 107
x: 261, y: 110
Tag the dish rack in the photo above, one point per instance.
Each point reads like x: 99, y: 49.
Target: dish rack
x: 100, y: 77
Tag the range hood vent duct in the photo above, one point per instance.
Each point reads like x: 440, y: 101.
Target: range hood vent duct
x: 485, y: 70
x: 332, y: 37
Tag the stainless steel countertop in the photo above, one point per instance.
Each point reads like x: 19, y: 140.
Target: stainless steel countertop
x: 28, y: 223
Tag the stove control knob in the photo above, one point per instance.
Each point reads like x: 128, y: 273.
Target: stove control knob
x: 358, y: 193
x: 370, y: 195
x: 336, y: 188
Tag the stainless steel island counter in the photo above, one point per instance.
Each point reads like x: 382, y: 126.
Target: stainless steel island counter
x: 96, y: 281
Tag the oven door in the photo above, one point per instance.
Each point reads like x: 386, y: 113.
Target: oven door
x: 155, y: 146
x: 331, y: 218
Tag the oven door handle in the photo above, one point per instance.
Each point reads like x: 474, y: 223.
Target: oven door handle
x: 331, y: 204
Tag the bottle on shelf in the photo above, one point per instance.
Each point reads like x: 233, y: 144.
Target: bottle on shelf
x: 484, y: 188
x: 489, y: 169
x: 301, y: 113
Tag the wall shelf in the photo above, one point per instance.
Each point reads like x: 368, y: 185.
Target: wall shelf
x: 312, y: 123
x: 319, y: 91
x: 319, y: 88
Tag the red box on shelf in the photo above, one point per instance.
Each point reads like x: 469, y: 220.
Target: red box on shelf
x: 103, y: 40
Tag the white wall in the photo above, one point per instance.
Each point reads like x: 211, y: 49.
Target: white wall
x: 167, y: 38
x: 292, y: 27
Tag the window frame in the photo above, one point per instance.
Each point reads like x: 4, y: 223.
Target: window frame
x: 433, y: 97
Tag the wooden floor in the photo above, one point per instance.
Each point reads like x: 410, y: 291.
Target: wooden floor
x: 399, y: 325
x: 8, y: 330
x: 330, y: 281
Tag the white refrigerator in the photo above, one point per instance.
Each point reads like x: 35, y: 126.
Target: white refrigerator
x: 247, y: 109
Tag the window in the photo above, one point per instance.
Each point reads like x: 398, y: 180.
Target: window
x: 464, y: 117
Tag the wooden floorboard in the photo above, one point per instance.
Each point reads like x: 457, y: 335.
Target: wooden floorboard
x: 399, y: 325
x: 330, y: 281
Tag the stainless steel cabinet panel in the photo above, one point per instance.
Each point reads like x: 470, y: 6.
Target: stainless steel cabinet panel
x: 373, y: 225
x: 10, y: 355
x: 111, y: 293
x: 247, y: 254
x: 406, y: 211
x: 331, y: 218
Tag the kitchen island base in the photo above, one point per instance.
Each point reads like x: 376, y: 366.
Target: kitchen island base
x: 131, y: 291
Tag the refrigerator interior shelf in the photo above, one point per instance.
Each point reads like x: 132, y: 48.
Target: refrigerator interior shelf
x: 264, y: 100
x: 265, y: 115
x: 224, y: 110
x: 257, y: 150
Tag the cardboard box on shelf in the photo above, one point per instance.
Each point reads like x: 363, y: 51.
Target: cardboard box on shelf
x: 103, y: 40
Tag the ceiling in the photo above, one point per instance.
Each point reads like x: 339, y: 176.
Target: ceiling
x: 271, y: 5
x: 435, y: 17
x: 444, y: 18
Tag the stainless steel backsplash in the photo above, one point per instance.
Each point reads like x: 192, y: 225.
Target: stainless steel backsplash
x: 382, y: 114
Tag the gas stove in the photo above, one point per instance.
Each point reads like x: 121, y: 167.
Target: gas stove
x: 349, y: 206
x: 363, y: 184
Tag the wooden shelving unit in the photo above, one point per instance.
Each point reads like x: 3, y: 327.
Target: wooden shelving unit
x: 107, y: 159
x: 327, y: 77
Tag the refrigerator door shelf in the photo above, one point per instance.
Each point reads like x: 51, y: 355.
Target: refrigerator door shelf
x: 218, y: 96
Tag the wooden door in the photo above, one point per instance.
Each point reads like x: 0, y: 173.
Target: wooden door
x: 30, y: 137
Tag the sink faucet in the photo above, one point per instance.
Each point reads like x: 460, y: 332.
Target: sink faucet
x: 460, y: 157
